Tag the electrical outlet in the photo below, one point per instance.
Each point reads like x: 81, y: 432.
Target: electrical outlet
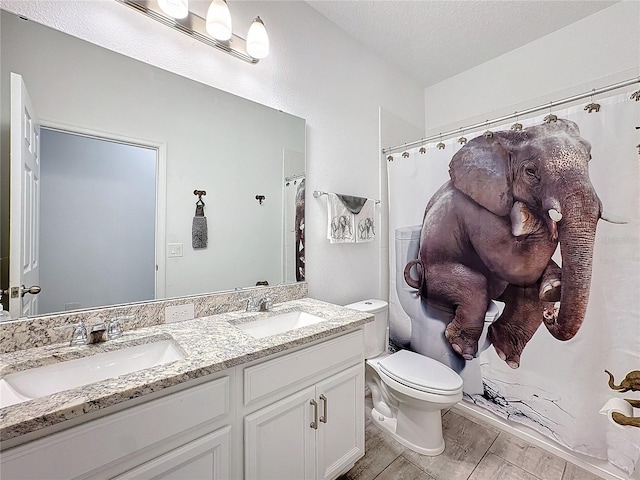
x: 178, y: 313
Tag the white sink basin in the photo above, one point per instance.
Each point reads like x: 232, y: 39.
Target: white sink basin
x: 280, y: 323
x: 41, y: 381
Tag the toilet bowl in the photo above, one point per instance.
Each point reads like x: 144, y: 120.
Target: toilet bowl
x: 429, y: 319
x: 408, y: 390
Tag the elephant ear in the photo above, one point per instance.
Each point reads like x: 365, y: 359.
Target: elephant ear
x: 480, y: 170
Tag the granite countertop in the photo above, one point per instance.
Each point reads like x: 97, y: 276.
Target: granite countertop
x: 209, y: 344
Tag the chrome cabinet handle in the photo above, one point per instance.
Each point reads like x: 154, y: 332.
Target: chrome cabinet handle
x: 314, y: 424
x: 325, y: 402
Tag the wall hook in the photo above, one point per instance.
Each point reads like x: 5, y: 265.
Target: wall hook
x: 260, y: 198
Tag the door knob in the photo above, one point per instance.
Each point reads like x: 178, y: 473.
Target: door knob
x: 34, y: 290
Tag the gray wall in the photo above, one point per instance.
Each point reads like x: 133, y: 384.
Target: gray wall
x: 97, y: 210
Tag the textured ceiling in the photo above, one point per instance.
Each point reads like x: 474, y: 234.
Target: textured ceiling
x: 432, y: 40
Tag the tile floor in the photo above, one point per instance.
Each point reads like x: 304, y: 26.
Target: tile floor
x: 473, y: 451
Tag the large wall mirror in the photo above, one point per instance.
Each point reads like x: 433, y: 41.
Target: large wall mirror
x: 123, y: 146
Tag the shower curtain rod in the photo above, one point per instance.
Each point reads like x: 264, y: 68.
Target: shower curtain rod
x: 595, y: 91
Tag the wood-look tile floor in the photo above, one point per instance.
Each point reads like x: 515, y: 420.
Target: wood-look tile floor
x: 473, y: 451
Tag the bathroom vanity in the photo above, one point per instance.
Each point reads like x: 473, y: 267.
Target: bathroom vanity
x: 236, y: 406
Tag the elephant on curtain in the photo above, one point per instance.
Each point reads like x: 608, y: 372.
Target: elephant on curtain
x: 490, y: 232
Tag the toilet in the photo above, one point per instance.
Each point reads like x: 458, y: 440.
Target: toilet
x: 428, y: 320
x: 408, y: 390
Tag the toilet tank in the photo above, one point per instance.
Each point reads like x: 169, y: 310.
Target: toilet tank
x: 376, y: 332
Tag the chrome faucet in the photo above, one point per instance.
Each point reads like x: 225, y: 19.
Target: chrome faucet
x: 79, y: 336
x: 99, y: 332
x: 266, y: 303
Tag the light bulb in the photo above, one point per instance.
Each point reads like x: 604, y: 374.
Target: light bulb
x: 219, y: 20
x: 174, y: 8
x: 257, y: 39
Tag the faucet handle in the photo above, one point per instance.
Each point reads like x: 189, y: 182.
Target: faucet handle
x: 79, y: 336
x: 252, y: 304
x: 114, y: 330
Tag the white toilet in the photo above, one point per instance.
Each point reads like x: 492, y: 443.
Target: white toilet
x: 408, y: 390
x: 428, y: 320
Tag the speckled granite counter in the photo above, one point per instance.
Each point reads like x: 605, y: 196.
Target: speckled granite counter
x: 210, y: 344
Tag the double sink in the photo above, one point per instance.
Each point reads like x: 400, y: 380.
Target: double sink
x: 56, y: 377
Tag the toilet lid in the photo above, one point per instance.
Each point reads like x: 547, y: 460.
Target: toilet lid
x: 420, y: 372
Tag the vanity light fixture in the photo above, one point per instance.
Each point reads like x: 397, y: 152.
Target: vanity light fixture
x: 219, y: 20
x: 215, y: 30
x: 174, y: 8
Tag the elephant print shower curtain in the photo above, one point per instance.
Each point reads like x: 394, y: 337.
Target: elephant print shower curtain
x: 516, y: 215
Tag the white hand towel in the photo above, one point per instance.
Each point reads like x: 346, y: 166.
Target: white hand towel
x: 365, y: 222
x: 340, y: 221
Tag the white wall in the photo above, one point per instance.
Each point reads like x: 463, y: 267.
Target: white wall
x: 601, y: 49
x: 315, y: 71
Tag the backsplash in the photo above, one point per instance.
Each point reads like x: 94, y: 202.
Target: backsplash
x: 40, y: 331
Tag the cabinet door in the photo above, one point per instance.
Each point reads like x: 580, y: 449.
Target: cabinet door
x: 205, y: 458
x: 341, y: 430
x: 279, y: 440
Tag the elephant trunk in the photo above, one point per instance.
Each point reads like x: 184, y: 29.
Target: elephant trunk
x: 612, y: 384
x: 576, y: 233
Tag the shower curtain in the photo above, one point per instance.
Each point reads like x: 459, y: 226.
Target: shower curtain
x: 559, y: 387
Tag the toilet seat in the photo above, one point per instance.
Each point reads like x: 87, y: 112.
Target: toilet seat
x: 421, y: 373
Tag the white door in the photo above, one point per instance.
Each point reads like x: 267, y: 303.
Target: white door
x: 280, y: 439
x: 341, y: 429
x: 24, y: 217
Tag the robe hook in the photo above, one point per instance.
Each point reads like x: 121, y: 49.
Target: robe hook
x: 200, y: 194
x: 260, y: 198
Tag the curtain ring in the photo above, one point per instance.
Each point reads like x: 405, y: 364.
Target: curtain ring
x: 516, y: 126
x: 441, y: 145
x: 592, y: 107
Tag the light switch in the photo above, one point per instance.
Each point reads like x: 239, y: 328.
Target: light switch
x: 175, y: 250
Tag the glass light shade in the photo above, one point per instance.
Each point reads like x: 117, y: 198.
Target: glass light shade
x: 174, y: 8
x: 219, y: 20
x: 257, y: 39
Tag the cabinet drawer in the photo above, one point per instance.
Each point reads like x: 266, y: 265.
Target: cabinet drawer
x: 111, y: 438
x: 295, y: 368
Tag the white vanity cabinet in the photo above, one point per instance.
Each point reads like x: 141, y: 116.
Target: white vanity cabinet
x: 186, y: 434
x: 306, y: 417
